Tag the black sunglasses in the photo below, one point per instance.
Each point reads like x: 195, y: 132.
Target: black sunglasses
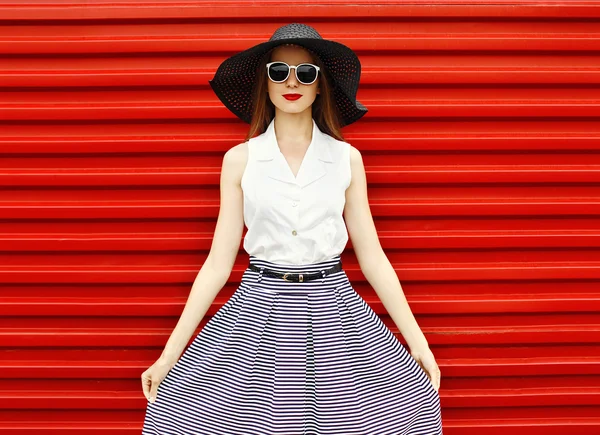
x: 306, y: 73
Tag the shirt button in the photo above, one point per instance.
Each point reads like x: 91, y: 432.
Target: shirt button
x: 294, y: 204
x: 294, y: 232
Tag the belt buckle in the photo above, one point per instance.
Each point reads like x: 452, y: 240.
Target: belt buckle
x: 300, y: 277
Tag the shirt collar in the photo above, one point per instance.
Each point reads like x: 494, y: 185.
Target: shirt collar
x: 269, y: 148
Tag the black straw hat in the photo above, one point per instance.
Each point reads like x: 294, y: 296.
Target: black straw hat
x: 235, y: 77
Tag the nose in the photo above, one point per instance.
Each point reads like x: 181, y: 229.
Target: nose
x: 292, y: 77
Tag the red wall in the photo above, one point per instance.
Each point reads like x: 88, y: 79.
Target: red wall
x: 482, y: 147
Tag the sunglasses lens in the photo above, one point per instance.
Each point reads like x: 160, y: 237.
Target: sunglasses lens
x: 307, y: 74
x: 278, y: 72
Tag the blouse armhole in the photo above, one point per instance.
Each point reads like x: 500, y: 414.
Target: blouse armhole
x: 244, y: 173
x: 348, y: 166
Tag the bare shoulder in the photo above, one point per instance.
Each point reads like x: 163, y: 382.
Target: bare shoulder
x: 357, y: 168
x: 234, y: 160
x: 355, y: 155
x: 237, y: 153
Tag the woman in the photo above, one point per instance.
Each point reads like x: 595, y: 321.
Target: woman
x: 295, y: 350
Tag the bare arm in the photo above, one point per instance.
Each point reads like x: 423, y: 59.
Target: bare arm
x: 224, y: 249
x: 372, y: 260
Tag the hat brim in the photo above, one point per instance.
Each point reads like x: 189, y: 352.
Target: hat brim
x: 234, y: 79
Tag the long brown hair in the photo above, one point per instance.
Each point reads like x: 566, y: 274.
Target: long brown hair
x: 324, y: 109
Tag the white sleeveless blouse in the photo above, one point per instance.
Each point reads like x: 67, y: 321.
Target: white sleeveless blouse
x: 295, y: 220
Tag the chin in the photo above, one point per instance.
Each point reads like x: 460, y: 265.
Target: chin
x: 298, y: 107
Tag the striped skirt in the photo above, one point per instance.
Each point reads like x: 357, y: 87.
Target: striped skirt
x: 295, y: 358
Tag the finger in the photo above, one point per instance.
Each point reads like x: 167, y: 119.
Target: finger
x: 436, y: 378
x: 421, y: 365
x: 153, y: 392
x: 146, y: 382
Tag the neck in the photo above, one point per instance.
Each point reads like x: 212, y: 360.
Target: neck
x: 293, y: 129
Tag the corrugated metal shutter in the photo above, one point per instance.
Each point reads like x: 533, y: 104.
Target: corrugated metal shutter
x: 482, y: 148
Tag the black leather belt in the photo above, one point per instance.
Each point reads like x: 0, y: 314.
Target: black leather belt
x: 298, y: 277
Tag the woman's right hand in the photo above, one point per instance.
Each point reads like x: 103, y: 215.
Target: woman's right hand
x: 153, y: 376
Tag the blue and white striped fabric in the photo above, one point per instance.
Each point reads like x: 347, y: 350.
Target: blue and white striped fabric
x: 295, y: 358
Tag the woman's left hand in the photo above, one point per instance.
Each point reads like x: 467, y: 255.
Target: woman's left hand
x: 427, y: 362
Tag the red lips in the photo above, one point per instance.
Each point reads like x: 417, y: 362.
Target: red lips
x: 292, y: 97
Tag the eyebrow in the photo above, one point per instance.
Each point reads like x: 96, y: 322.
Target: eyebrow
x: 308, y: 61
